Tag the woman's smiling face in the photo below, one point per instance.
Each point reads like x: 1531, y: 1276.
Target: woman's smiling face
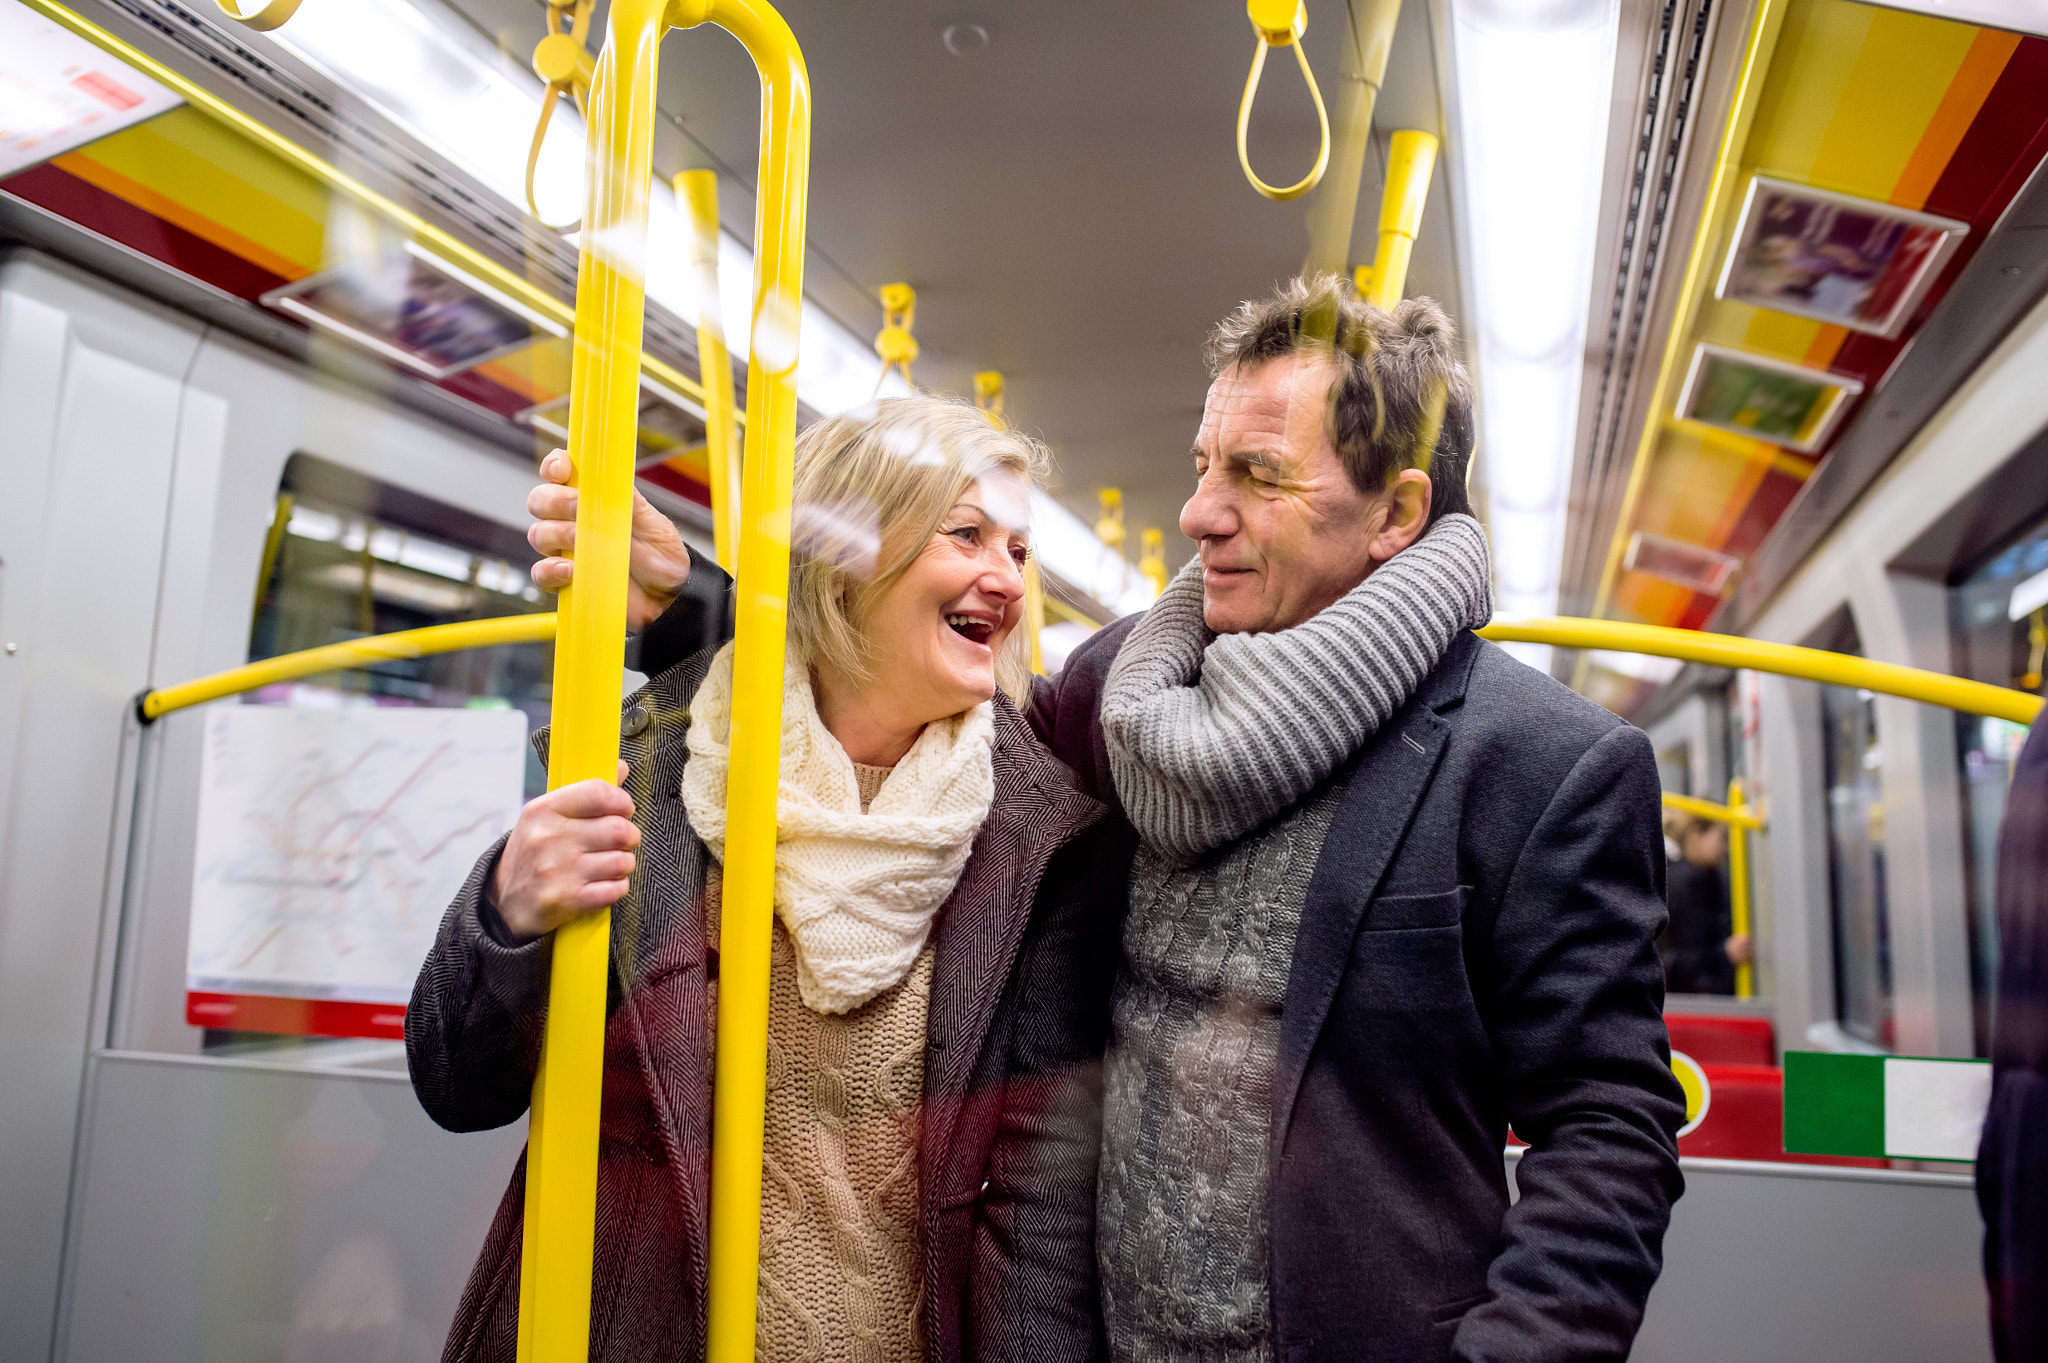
x: 935, y: 633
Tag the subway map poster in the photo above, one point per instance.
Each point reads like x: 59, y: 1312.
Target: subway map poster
x: 330, y: 842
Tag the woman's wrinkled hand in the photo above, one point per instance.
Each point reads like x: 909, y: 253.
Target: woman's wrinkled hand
x: 660, y: 560
x: 570, y: 854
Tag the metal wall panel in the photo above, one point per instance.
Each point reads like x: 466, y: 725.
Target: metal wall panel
x: 233, y: 1211
x: 89, y: 391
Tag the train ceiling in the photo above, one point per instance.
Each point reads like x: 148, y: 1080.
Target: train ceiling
x: 1082, y: 237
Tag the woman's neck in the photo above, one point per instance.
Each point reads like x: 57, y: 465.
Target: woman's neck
x: 873, y: 733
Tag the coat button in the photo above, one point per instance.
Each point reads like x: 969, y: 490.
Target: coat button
x: 635, y: 722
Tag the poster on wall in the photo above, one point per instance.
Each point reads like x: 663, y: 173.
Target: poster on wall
x: 58, y: 91
x: 1763, y: 398
x: 330, y: 843
x: 1853, y: 262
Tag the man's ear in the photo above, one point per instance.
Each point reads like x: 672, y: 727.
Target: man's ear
x: 1408, y: 498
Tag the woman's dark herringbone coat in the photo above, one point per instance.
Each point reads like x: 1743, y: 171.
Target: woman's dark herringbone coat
x: 1010, y: 1127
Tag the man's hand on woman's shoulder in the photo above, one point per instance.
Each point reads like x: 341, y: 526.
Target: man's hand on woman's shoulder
x: 660, y: 562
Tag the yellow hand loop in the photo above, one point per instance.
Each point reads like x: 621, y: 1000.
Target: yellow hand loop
x: 1263, y: 14
x: 893, y: 342
x: 263, y: 17
x: 988, y: 396
x: 562, y: 60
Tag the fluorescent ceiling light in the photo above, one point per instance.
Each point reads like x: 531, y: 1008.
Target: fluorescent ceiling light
x: 439, y: 79
x: 58, y: 91
x: 1534, y: 81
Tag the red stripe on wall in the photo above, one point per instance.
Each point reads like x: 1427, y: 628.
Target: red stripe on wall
x: 295, y: 1017
x: 662, y: 476
x: 114, y: 218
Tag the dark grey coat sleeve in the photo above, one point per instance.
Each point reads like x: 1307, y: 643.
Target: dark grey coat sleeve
x: 472, y: 1031
x: 1576, y: 1013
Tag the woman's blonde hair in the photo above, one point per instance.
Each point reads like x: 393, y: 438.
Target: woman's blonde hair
x: 872, y: 488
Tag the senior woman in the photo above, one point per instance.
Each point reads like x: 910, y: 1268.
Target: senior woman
x: 939, y: 978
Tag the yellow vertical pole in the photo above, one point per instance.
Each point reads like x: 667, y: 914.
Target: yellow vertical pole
x: 1411, y: 158
x: 1034, y: 612
x: 561, y: 1169
x: 1738, y: 887
x: 561, y: 1197
x: 697, y: 190
x: 748, y: 914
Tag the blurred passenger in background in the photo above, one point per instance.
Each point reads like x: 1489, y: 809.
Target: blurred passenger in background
x: 2012, y: 1161
x: 939, y: 978
x: 1703, y: 949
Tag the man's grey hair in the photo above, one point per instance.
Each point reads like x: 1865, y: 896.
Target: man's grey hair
x: 1402, y: 398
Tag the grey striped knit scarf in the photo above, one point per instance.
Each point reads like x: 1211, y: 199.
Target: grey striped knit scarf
x: 1211, y: 736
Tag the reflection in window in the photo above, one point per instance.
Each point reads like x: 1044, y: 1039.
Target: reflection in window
x: 1856, y: 871
x: 351, y: 557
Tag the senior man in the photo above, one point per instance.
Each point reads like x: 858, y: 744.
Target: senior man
x: 1391, y: 892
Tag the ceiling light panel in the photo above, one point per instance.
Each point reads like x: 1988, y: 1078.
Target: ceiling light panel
x: 1533, y: 89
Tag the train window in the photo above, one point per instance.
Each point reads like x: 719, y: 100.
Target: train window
x: 1998, y: 616
x: 351, y: 556
x: 338, y: 813
x: 1859, y: 908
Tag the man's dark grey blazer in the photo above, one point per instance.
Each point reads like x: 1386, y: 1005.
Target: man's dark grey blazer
x: 1478, y: 948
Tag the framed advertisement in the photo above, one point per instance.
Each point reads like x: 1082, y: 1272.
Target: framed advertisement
x: 1764, y: 399
x: 1852, y: 262
x: 413, y: 309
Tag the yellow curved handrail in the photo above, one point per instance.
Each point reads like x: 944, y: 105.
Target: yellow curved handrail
x: 1279, y: 25
x: 378, y: 648
x: 1787, y: 660
x: 1707, y: 809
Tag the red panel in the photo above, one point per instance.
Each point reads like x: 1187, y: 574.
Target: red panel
x: 662, y: 476
x: 1746, y: 1120
x: 295, y: 1017
x: 116, y: 219
x: 1718, y: 1039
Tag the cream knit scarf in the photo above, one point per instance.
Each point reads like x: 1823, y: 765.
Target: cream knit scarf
x: 1209, y: 737
x: 856, y: 892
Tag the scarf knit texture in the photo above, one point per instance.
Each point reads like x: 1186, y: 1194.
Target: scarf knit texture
x: 857, y: 892
x: 1211, y: 736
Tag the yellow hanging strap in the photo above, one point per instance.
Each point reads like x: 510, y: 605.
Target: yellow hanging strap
x: 1280, y: 23
x: 697, y: 191
x: 1109, y: 519
x: 1152, y: 559
x: 262, y: 17
x: 894, y: 343
x: 988, y: 396
x: 562, y: 60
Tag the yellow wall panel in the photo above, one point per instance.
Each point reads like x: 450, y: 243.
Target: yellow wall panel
x: 1903, y: 71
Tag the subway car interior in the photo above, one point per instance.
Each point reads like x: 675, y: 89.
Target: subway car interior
x: 296, y: 295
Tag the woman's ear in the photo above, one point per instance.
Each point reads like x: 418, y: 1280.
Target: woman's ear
x: 1408, y: 498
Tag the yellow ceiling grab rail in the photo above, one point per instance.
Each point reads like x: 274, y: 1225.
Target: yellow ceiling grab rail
x: 1786, y: 660
x: 1411, y: 156
x: 1280, y: 23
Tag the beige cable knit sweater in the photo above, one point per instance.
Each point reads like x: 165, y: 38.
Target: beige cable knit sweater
x: 842, y: 1262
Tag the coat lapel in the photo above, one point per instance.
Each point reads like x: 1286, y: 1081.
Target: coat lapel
x: 1386, y: 784
x: 1036, y: 809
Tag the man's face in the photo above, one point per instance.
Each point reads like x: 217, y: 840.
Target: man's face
x: 1281, y: 530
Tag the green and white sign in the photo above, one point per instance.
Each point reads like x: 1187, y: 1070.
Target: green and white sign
x: 1884, y: 1106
